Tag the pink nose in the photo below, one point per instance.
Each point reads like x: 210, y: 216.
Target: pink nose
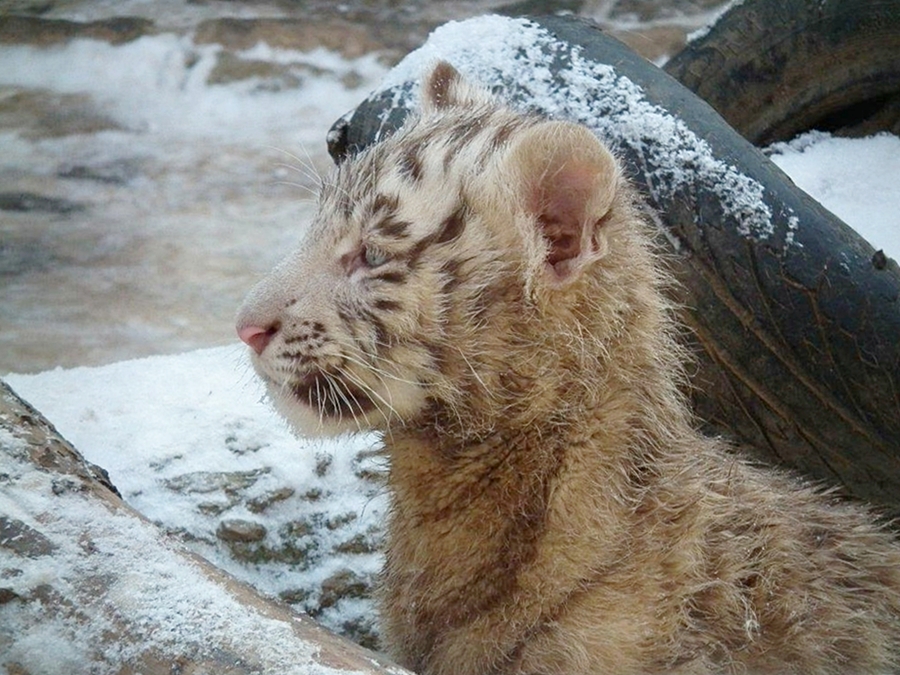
x: 257, y: 337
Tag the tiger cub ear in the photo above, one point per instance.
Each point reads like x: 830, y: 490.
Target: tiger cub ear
x: 566, y: 181
x: 444, y: 88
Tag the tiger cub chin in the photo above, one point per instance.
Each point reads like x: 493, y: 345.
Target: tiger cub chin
x: 480, y: 287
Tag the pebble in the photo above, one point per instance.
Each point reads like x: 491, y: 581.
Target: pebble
x: 238, y: 530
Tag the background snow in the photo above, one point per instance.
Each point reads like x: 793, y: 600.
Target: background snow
x: 203, y: 183
x: 857, y: 179
x: 165, y: 77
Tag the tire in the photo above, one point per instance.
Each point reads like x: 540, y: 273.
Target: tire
x: 795, y: 330
x: 776, y: 68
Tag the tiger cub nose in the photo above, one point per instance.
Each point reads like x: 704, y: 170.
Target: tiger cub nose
x: 256, y: 336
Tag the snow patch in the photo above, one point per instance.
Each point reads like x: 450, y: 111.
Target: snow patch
x: 191, y: 442
x: 168, y: 95
x: 711, y: 20
x: 508, y: 53
x: 158, y: 601
x: 857, y: 179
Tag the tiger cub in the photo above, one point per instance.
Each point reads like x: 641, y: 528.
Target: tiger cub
x: 481, y: 288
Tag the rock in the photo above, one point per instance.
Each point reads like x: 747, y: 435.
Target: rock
x: 36, y: 7
x: 210, y: 481
x: 358, y: 545
x: 323, y: 463
x: 362, y: 631
x: 116, y: 172
x: 350, y: 40
x: 29, y: 201
x: 38, y: 114
x: 295, y: 596
x: 370, y: 466
x: 23, y: 257
x: 653, y: 10
x: 23, y: 540
x: 340, y: 521
x: 273, y: 76
x: 264, y: 501
x: 525, y: 7
x: 343, y: 584
x: 7, y: 595
x: 101, y: 600
x: 219, y: 507
x: 245, y: 531
x: 39, y: 31
x: 655, y: 43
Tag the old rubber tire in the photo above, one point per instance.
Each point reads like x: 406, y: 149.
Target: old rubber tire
x: 795, y: 331
x: 776, y: 68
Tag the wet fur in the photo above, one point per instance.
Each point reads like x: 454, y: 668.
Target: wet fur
x: 482, y: 288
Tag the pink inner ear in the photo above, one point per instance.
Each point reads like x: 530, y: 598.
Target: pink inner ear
x: 562, y: 201
x: 565, y: 243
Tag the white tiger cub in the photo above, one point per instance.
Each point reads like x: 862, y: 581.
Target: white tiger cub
x: 481, y: 288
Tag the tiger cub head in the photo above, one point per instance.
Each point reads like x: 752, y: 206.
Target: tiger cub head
x: 451, y: 277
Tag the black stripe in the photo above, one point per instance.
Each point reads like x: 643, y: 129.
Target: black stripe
x: 381, y: 332
x: 392, y: 277
x: 449, y: 230
x: 453, y: 225
x: 410, y: 164
x: 467, y: 132
x: 386, y: 305
x: 348, y: 320
x: 391, y: 227
x: 385, y: 203
x: 450, y: 271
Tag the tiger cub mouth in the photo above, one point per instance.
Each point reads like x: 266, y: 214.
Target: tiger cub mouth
x: 330, y: 394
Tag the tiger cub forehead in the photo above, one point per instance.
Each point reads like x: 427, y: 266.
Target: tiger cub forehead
x: 409, y: 184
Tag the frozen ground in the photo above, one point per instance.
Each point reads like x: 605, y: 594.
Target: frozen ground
x: 154, y: 226
x: 189, y: 442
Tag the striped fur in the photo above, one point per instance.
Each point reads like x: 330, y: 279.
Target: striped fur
x: 481, y: 288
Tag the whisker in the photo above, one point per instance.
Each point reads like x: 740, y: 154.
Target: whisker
x: 333, y: 396
x: 474, y: 372
x: 373, y: 395
x: 340, y: 388
x: 376, y: 370
x: 320, y: 403
x: 311, y: 191
x: 307, y: 164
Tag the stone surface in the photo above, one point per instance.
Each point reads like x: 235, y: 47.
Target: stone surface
x: 114, y: 594
x: 38, y: 113
x: 243, y: 531
x: 348, y: 39
x: 31, y: 202
x: 43, y: 32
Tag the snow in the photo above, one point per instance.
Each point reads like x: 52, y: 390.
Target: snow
x: 207, y: 180
x: 507, y: 53
x: 158, y: 600
x: 190, y: 443
x: 711, y: 19
x: 857, y: 179
x: 166, y: 80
